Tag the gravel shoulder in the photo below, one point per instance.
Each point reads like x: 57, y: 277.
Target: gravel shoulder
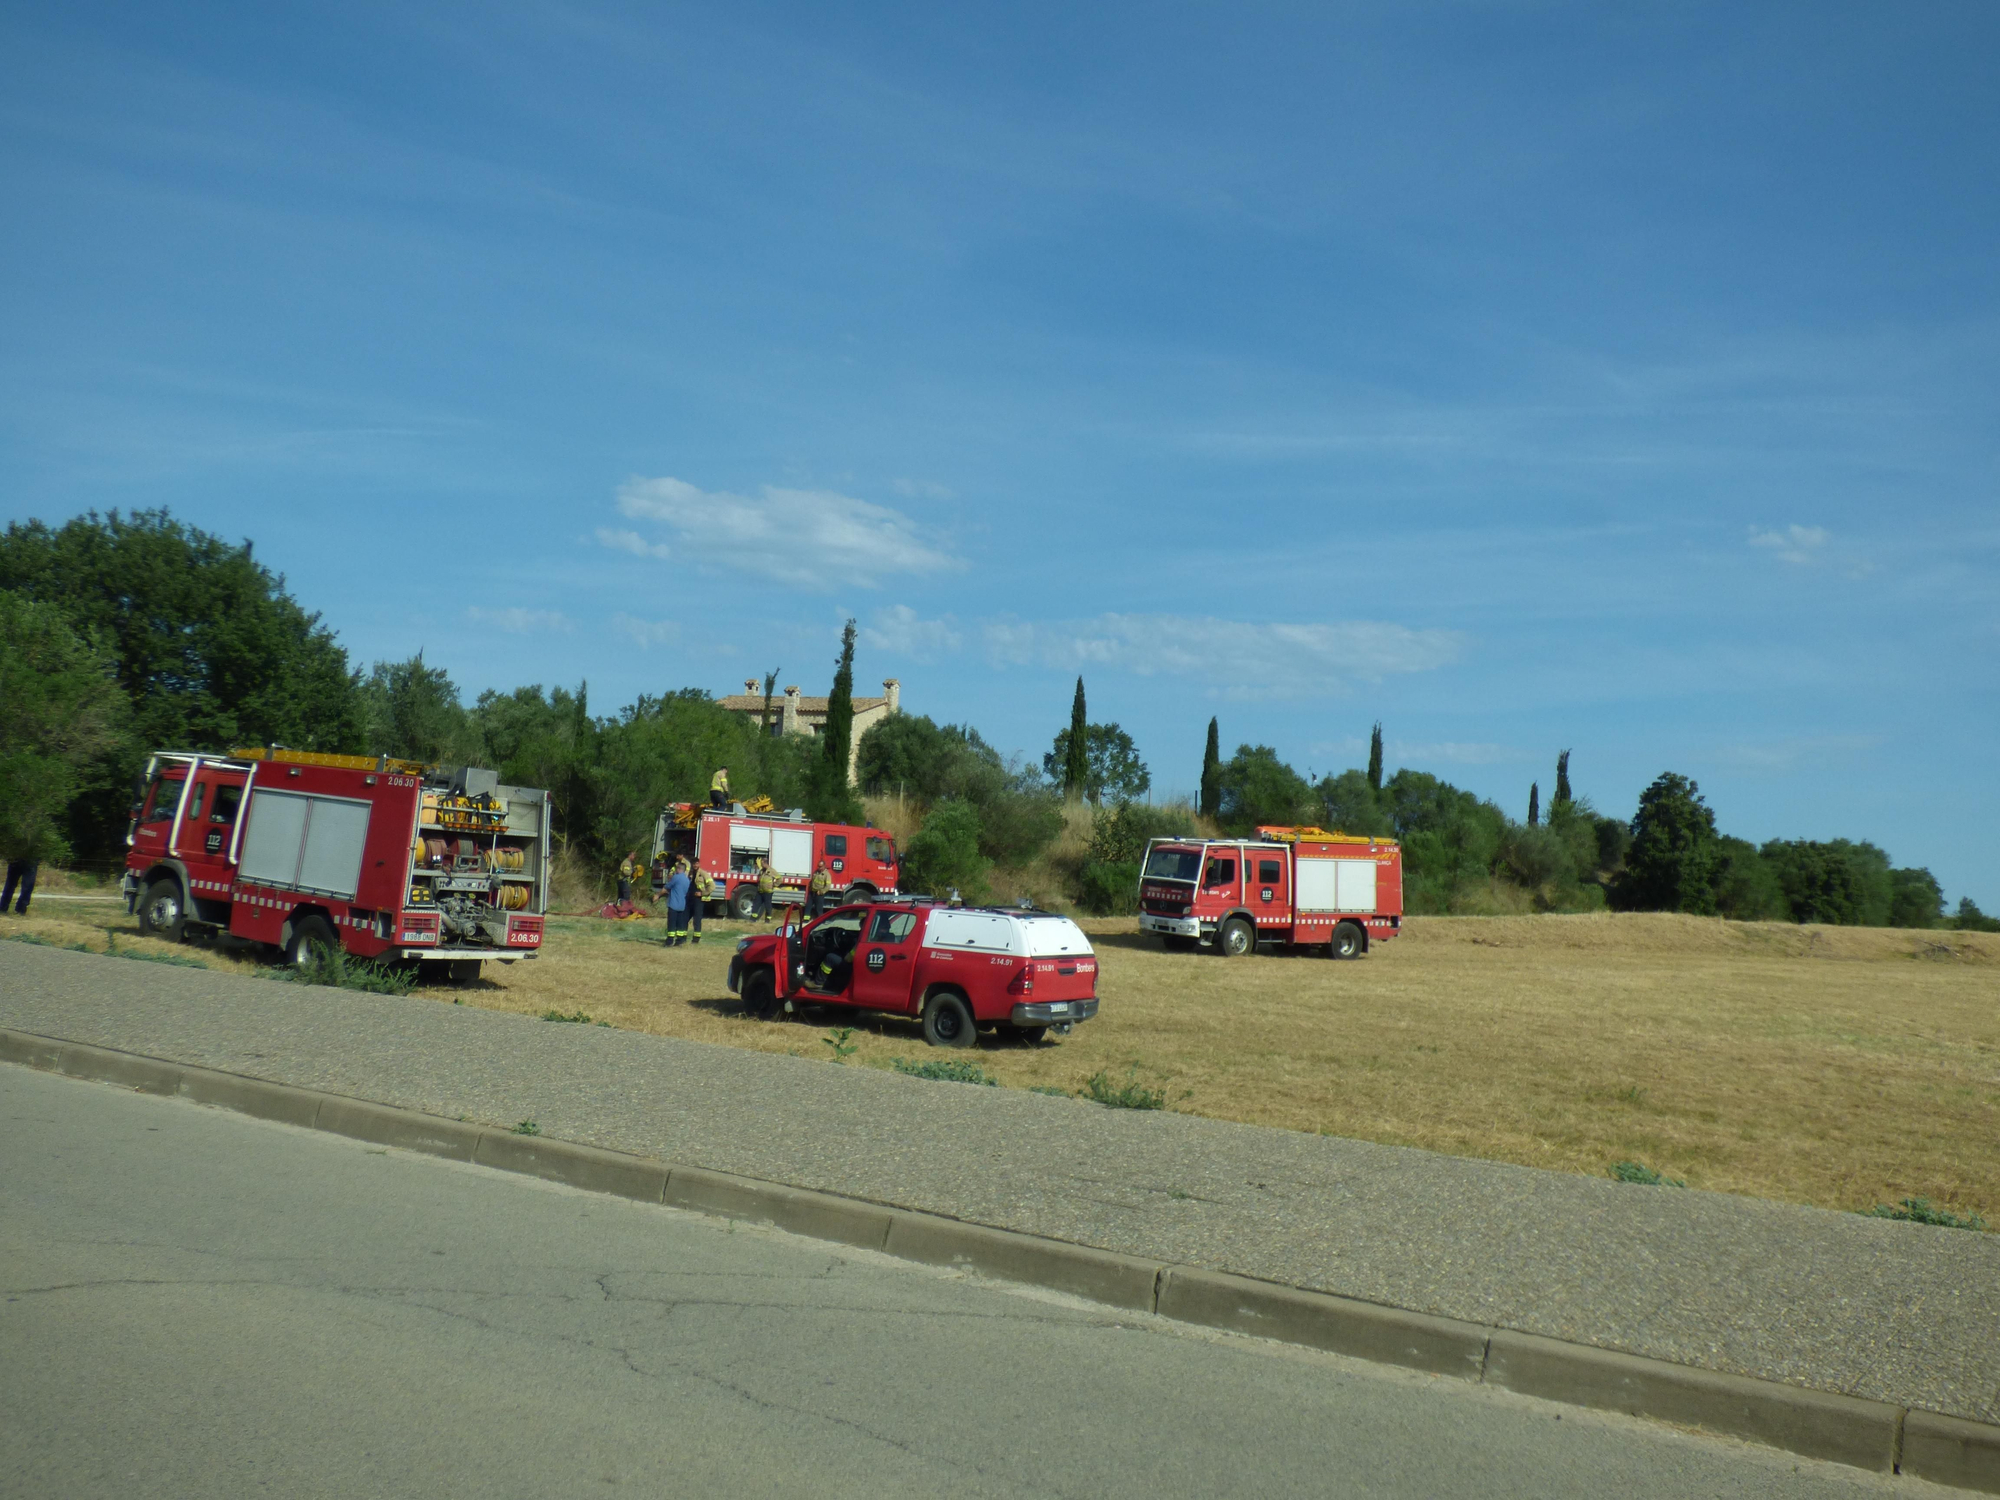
x: 1884, y: 1310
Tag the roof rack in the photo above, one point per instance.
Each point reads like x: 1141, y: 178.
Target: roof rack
x: 280, y: 754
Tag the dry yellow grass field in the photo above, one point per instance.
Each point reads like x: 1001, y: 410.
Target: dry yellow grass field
x: 1834, y: 1066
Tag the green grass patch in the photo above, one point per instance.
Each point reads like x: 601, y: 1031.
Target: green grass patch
x: 527, y: 1127
x: 1131, y: 1094
x: 841, y: 1040
x: 574, y: 1018
x: 1921, y: 1211
x: 342, y: 971
x: 1644, y: 1176
x: 945, y: 1070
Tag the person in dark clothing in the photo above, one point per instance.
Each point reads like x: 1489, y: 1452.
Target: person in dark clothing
x: 20, y: 872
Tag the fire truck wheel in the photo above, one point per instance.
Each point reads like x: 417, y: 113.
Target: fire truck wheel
x: 311, y: 937
x: 1347, y: 941
x: 948, y: 1021
x: 161, y: 913
x: 860, y: 893
x: 743, y: 905
x: 1236, y: 939
x: 464, y: 970
x: 760, y: 995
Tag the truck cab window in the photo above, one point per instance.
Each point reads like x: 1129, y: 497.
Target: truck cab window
x: 1220, y: 872
x: 892, y: 926
x: 227, y: 799
x: 165, y: 797
x: 836, y: 843
x: 882, y: 851
x: 1268, y: 872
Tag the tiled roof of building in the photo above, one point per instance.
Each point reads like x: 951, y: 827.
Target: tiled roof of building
x: 753, y: 703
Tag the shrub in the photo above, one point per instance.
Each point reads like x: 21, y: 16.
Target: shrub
x: 1632, y: 1171
x: 342, y: 971
x: 1131, y: 1094
x: 1017, y: 825
x: 944, y: 855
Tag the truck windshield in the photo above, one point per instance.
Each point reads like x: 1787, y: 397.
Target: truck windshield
x: 1173, y: 864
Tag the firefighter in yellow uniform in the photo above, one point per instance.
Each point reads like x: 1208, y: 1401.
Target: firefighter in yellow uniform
x: 767, y: 882
x: 699, y: 896
x: 819, y: 887
x: 627, y: 868
x: 718, y: 788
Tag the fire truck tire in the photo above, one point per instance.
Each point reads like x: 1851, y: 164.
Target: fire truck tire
x: 1237, y: 939
x: 310, y: 934
x: 860, y: 893
x: 743, y: 905
x: 1348, y: 941
x: 161, y: 911
x: 464, y: 970
x: 948, y: 1020
x: 760, y: 995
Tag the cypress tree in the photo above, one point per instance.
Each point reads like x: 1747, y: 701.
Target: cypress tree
x: 1211, y: 773
x: 1375, y: 758
x: 1562, y: 781
x: 1534, y: 803
x: 835, y: 802
x: 1076, y: 766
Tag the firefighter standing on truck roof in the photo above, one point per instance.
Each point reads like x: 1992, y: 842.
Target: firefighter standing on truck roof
x: 819, y: 887
x: 704, y: 887
x: 718, y: 788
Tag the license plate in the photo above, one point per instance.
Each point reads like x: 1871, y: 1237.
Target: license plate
x: 1060, y: 1008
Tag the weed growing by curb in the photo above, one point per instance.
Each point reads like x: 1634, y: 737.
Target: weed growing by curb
x: 1632, y: 1171
x: 842, y: 1042
x: 1920, y: 1211
x: 527, y: 1127
x: 577, y: 1018
x: 945, y: 1070
x: 336, y: 970
x: 1131, y: 1094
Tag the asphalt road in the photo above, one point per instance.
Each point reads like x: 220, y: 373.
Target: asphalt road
x: 193, y: 1303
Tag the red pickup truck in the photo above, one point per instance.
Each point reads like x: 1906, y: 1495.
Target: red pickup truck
x: 962, y: 970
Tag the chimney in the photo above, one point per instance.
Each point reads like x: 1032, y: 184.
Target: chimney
x: 893, y: 687
x: 752, y: 687
x: 791, y: 720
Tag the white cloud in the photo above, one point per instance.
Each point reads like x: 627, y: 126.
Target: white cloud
x: 646, y: 633
x: 901, y: 632
x: 810, y: 537
x: 1243, y: 659
x: 622, y: 540
x: 1793, y: 544
x: 520, y: 621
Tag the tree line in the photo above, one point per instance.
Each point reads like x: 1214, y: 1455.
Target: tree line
x: 124, y: 634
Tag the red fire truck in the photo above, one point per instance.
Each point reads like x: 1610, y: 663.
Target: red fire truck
x: 386, y: 859
x: 1302, y: 886
x: 729, y: 844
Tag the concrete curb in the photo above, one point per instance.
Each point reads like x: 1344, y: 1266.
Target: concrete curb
x: 1816, y: 1424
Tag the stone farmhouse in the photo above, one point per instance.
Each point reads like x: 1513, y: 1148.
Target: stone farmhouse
x: 793, y: 714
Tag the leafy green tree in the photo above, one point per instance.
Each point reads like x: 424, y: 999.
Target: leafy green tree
x: 210, y: 649
x: 1969, y: 918
x: 546, y: 740
x: 1451, y: 839
x: 1837, y: 882
x: 413, y: 713
x: 1915, y: 899
x: 1076, y: 756
x: 1108, y: 884
x: 1375, y: 757
x: 62, y: 716
x: 657, y: 751
x: 1675, y: 859
x: 1536, y: 858
x: 1349, y: 804
x: 1112, y: 767
x: 1747, y: 889
x: 832, y: 799
x: 1257, y: 787
x: 944, y: 856
x: 1211, y: 772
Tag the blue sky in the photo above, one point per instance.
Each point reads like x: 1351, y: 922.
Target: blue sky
x: 1525, y: 376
